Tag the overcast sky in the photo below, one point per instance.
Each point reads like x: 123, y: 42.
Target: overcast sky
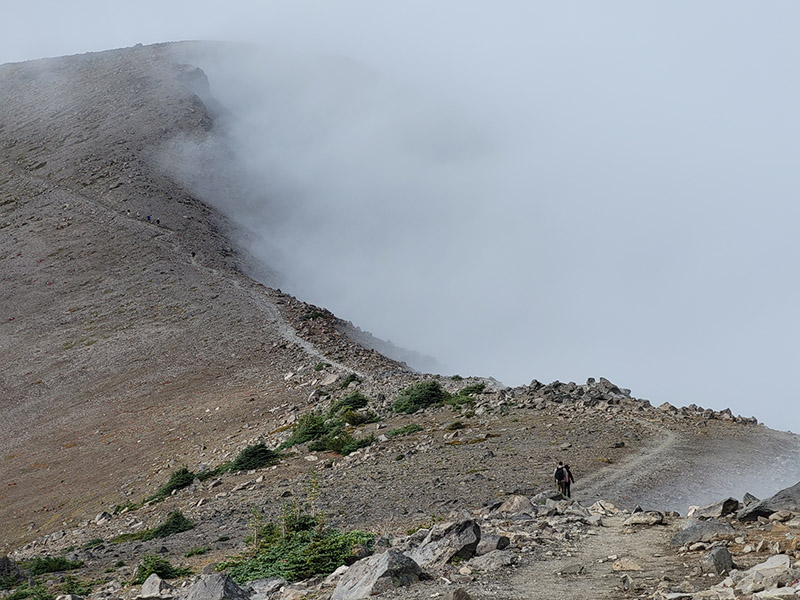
x: 525, y: 189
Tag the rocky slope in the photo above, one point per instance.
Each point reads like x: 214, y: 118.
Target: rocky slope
x: 134, y: 342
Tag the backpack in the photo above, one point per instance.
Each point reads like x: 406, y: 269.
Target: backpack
x: 560, y: 474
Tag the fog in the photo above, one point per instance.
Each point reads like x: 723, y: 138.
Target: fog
x: 518, y: 189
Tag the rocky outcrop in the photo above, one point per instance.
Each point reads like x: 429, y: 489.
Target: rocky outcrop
x: 377, y: 574
x: 217, y: 586
x: 786, y: 499
x: 446, y: 541
x: 702, y: 531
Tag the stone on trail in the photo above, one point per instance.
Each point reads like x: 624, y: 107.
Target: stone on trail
x: 571, y: 569
x: 446, y: 541
x: 702, y: 531
x: 376, y: 574
x: 155, y: 587
x: 625, y: 564
x: 603, y: 508
x: 459, y: 594
x: 779, y: 593
x: 651, y: 517
x: 218, y: 586
x: 719, y: 561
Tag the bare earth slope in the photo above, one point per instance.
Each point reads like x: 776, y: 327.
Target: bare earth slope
x: 124, y: 316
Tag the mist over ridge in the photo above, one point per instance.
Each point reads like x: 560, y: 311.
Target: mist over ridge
x: 523, y: 190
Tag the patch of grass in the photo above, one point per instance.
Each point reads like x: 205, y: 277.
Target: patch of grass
x: 127, y: 505
x: 420, y: 395
x: 454, y: 426
x: 325, y: 433
x: 314, y: 313
x: 196, y: 552
x: 255, y: 456
x: 321, y: 366
x: 50, y: 564
x: 456, y: 378
x: 174, y: 523
x: 405, y: 430
x: 298, y: 546
x: 160, y: 566
x: 472, y: 390
x: 223, y: 538
x: 93, y: 543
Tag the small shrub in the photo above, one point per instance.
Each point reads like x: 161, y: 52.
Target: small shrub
x: 73, y: 585
x: 405, y: 430
x: 297, y: 547
x: 351, y: 378
x: 420, y: 395
x: 37, y: 592
x: 353, y: 417
x: 223, y: 538
x: 8, y: 582
x: 50, y: 564
x: 471, y: 390
x: 160, y: 566
x: 93, y: 543
x: 196, y: 552
x: 454, y: 425
x: 256, y: 456
x: 456, y: 378
x: 309, y: 426
x: 175, y: 523
x: 320, y: 366
x: 353, y: 401
x: 180, y: 479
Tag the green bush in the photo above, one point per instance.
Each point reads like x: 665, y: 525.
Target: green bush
x: 174, y: 523
x: 420, y: 395
x: 37, y: 592
x: 405, y: 430
x: 353, y: 401
x: 297, y: 547
x: 351, y: 377
x: 256, y: 456
x: 160, y: 566
x: 309, y: 426
x: 50, y: 564
x: 196, y: 552
x: 454, y: 425
x: 471, y: 390
x: 93, y: 543
x: 8, y: 582
x: 180, y: 479
x: 73, y: 585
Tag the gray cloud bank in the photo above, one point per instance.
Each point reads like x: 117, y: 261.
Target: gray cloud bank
x: 530, y: 190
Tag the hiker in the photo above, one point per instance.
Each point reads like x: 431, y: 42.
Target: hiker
x: 568, y: 480
x: 560, y: 475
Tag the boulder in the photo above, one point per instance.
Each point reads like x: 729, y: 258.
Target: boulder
x: 543, y: 497
x: 719, y: 561
x: 489, y: 542
x: 516, y: 504
x: 8, y: 568
x: 771, y: 573
x: 155, y: 587
x: 218, y: 586
x: 446, y: 541
x: 716, y: 510
x: 376, y: 574
x: 786, y: 499
x: 702, y: 531
x: 651, y: 517
x: 496, y: 559
x: 264, y: 588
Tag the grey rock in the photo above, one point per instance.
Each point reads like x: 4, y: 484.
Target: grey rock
x: 218, y: 586
x: 787, y: 499
x: 489, y: 542
x: 651, y: 517
x: 515, y: 504
x: 264, y: 588
x: 716, y: 510
x: 459, y: 594
x: 571, y: 569
x: 376, y: 574
x: 748, y: 498
x: 446, y: 541
x: 702, y: 531
x: 8, y: 567
x: 542, y: 497
x: 154, y: 587
x: 494, y: 560
x: 719, y: 561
